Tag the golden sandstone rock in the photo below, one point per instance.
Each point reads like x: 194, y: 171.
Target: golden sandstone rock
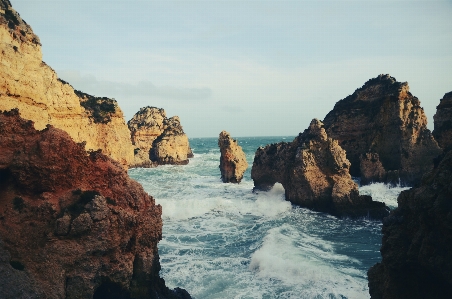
x: 30, y: 85
x: 233, y: 160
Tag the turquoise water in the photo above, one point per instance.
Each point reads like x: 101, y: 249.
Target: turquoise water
x: 224, y: 241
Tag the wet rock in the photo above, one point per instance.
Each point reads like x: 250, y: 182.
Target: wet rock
x: 233, y: 162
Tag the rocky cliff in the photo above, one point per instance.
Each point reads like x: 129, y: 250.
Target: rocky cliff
x: 383, y: 129
x: 30, y: 85
x: 417, y: 241
x: 443, y: 122
x: 72, y: 223
x: 157, y: 139
x: 314, y: 171
x: 233, y: 162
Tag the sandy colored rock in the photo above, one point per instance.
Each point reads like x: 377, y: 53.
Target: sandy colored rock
x: 383, y: 119
x: 233, y: 162
x: 417, y: 241
x: 314, y: 172
x: 443, y: 122
x: 30, y: 85
x: 72, y: 223
x: 151, y: 129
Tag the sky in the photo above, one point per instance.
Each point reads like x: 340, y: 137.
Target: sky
x: 252, y: 68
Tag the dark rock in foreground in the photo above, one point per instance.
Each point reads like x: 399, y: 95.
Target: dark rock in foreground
x: 315, y: 174
x: 443, y: 122
x: 72, y: 223
x: 383, y: 129
x: 417, y: 241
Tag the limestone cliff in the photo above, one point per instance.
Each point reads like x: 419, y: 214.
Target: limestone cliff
x: 443, y: 122
x: 233, y: 162
x: 314, y: 171
x: 383, y: 129
x: 30, y: 85
x: 157, y: 139
x: 417, y: 241
x: 72, y: 223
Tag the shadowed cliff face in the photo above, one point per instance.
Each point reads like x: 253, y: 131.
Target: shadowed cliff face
x: 314, y: 171
x: 443, y: 122
x: 383, y: 129
x: 30, y: 85
x: 72, y: 223
x: 233, y: 162
x: 417, y: 241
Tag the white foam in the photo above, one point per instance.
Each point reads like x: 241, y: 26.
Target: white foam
x: 383, y: 193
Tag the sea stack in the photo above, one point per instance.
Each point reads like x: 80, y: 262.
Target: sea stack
x: 314, y: 172
x: 383, y: 129
x: 157, y: 139
x: 73, y: 224
x: 35, y: 89
x: 233, y: 162
x: 443, y: 122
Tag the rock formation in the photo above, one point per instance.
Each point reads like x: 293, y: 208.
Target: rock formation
x: 443, y: 122
x: 383, y: 129
x: 232, y: 160
x: 30, y: 85
x: 315, y: 174
x: 72, y: 223
x: 158, y: 140
x: 417, y: 241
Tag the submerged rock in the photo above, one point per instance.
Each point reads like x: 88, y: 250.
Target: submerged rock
x: 315, y: 174
x: 417, y: 241
x: 233, y: 162
x: 72, y: 223
x: 157, y: 139
x: 443, y: 122
x: 383, y: 129
x: 34, y: 88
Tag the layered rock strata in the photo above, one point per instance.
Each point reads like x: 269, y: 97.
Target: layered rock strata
x: 314, y: 172
x: 30, y: 85
x: 383, y: 129
x: 157, y: 139
x: 443, y: 122
x: 417, y: 241
x: 72, y: 223
x: 233, y: 162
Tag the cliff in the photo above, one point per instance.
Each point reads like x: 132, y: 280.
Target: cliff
x: 383, y: 129
x: 233, y: 162
x: 30, y: 85
x: 157, y: 139
x: 443, y: 122
x: 315, y: 174
x: 72, y: 223
x: 417, y: 241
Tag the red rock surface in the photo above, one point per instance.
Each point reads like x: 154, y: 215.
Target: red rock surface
x: 72, y: 223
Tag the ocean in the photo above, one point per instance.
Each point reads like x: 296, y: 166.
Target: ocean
x: 224, y: 241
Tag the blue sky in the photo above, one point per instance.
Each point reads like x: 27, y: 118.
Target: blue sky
x: 253, y: 68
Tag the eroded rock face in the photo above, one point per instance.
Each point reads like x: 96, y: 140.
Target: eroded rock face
x: 314, y: 171
x: 27, y: 83
x: 382, y: 126
x: 158, y: 140
x: 443, y: 122
x: 72, y: 223
x: 233, y: 162
x: 417, y: 241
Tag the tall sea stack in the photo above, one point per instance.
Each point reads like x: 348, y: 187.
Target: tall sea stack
x: 383, y: 129
x: 233, y: 162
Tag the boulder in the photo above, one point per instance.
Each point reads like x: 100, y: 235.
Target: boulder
x: 314, y: 172
x: 443, y: 122
x: 157, y: 139
x: 73, y: 224
x: 30, y: 85
x: 417, y: 241
x: 383, y: 129
x: 233, y: 162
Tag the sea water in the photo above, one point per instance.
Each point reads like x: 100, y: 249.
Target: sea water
x: 224, y: 241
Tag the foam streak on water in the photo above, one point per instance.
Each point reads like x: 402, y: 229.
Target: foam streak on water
x: 224, y: 241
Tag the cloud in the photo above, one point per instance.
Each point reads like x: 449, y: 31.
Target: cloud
x: 90, y: 84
